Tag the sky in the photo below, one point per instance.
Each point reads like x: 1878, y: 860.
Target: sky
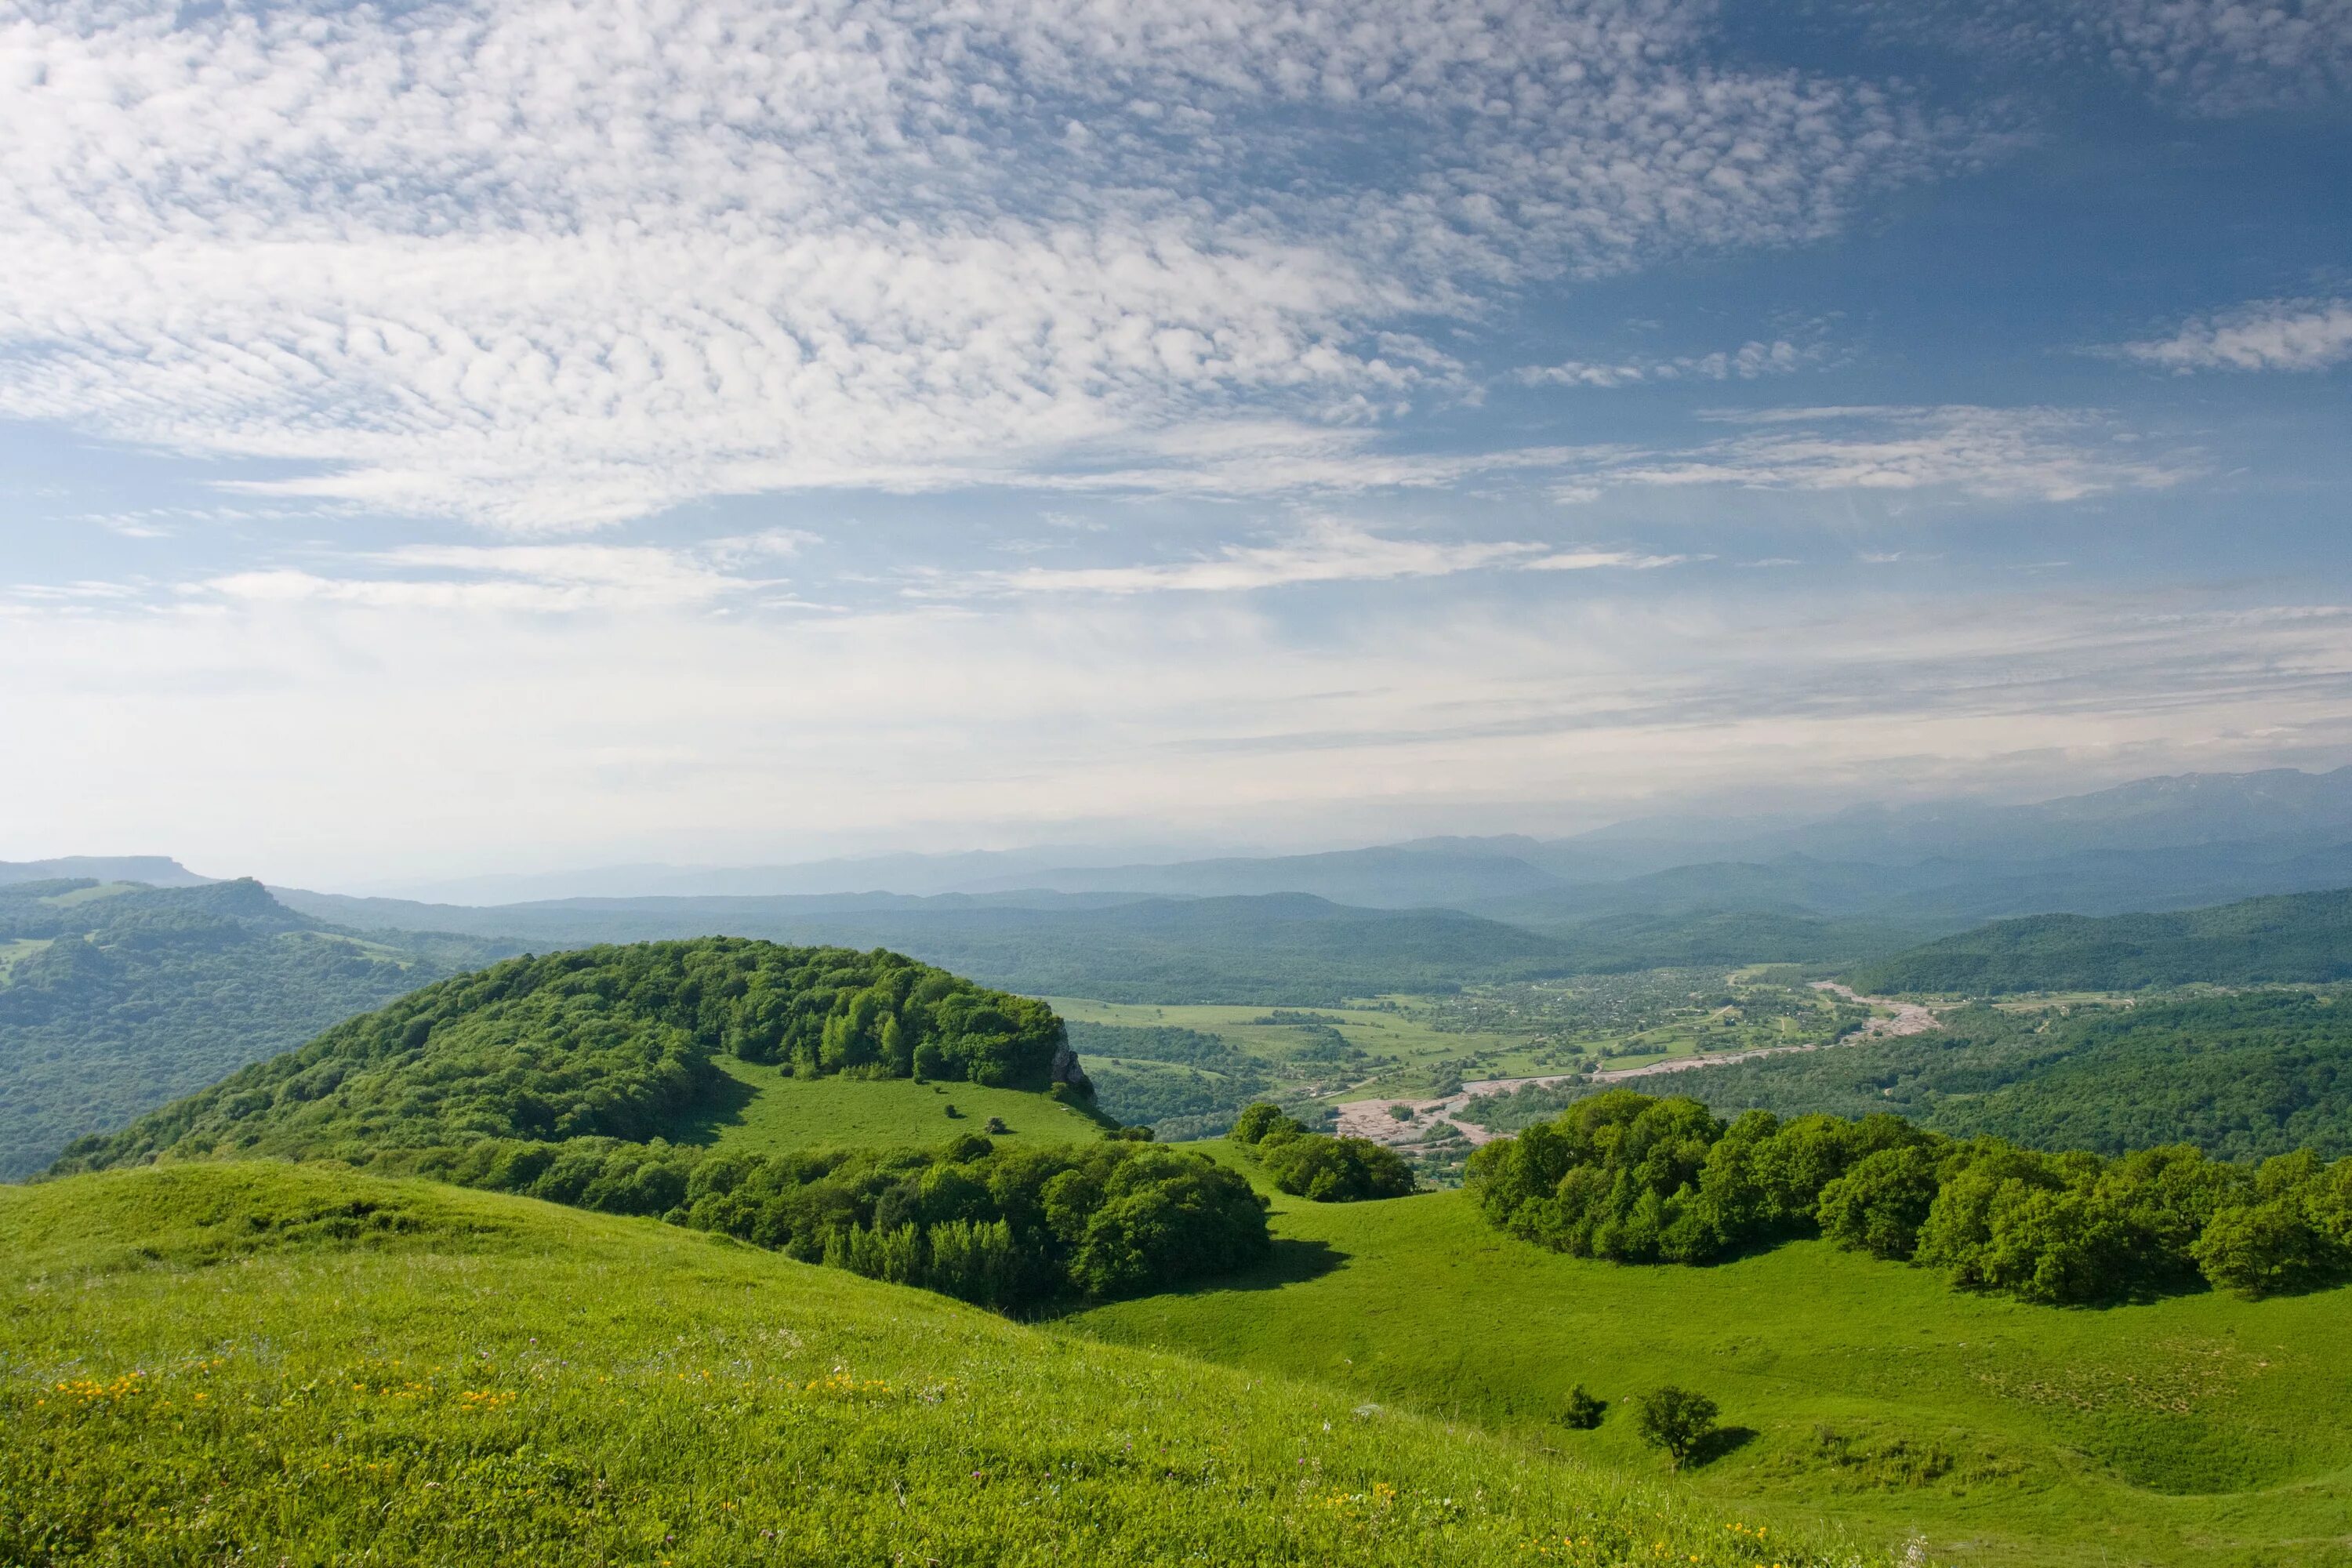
x: 484, y: 437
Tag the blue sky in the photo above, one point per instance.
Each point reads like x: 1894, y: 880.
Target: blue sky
x: 502, y: 437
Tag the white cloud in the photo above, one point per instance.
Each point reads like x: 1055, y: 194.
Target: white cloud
x: 1327, y: 550
x: 2206, y: 56
x: 2228, y: 57
x: 1747, y: 363
x: 2000, y: 454
x: 532, y: 578
x: 2267, y: 334
x: 540, y: 264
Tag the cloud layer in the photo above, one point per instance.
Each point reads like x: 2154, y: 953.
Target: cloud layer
x: 551, y: 263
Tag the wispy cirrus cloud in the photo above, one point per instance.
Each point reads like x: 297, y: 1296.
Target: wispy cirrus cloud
x: 520, y: 262
x: 1327, y: 550
x: 545, y: 579
x: 2266, y: 334
x: 2037, y: 454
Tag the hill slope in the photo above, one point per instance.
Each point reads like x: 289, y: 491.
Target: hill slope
x: 304, y: 1365
x: 116, y: 998
x: 2296, y: 938
x: 2198, y: 1430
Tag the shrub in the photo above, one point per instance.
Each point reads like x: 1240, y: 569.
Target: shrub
x: 1583, y: 1412
x: 1676, y: 1420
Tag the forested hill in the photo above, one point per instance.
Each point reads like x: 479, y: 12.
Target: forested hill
x: 114, y: 998
x: 2294, y: 938
x: 611, y: 1042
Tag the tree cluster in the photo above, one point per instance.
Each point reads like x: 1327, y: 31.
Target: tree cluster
x: 1001, y: 1227
x: 1317, y: 1166
x: 1639, y: 1180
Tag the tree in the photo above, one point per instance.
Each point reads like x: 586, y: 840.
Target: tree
x: 1335, y: 1170
x: 1674, y: 1419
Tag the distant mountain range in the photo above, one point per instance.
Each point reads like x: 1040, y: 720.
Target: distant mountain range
x: 2159, y: 843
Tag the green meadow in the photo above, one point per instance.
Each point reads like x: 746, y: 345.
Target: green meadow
x: 2198, y: 1429
x: 217, y: 1363
x: 770, y: 1111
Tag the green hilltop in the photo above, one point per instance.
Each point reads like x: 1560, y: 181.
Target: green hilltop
x: 629, y: 1043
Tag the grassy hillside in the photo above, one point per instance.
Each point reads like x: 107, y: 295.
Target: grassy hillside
x: 265, y: 1362
x: 770, y: 1112
x: 115, y: 997
x: 2196, y: 1430
x: 2296, y: 938
x: 2243, y: 1077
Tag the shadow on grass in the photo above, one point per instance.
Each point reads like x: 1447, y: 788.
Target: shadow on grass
x: 722, y: 1107
x: 1291, y: 1262
x: 1723, y: 1440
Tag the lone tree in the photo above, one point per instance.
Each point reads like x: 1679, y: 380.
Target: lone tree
x: 1674, y: 1419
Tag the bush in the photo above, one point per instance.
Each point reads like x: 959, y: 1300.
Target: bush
x: 1335, y: 1170
x: 1583, y: 1412
x: 1676, y: 1420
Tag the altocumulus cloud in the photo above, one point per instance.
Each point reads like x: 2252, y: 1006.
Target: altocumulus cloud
x: 553, y: 263
x: 2269, y: 334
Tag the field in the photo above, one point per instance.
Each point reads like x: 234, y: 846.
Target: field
x: 1405, y: 1046
x: 773, y: 1111
x: 264, y: 1363
x: 2196, y: 1430
x: 13, y: 952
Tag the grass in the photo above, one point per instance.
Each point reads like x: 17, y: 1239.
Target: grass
x: 13, y: 952
x: 93, y: 894
x: 2196, y: 1430
x: 770, y: 1112
x: 218, y: 1362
